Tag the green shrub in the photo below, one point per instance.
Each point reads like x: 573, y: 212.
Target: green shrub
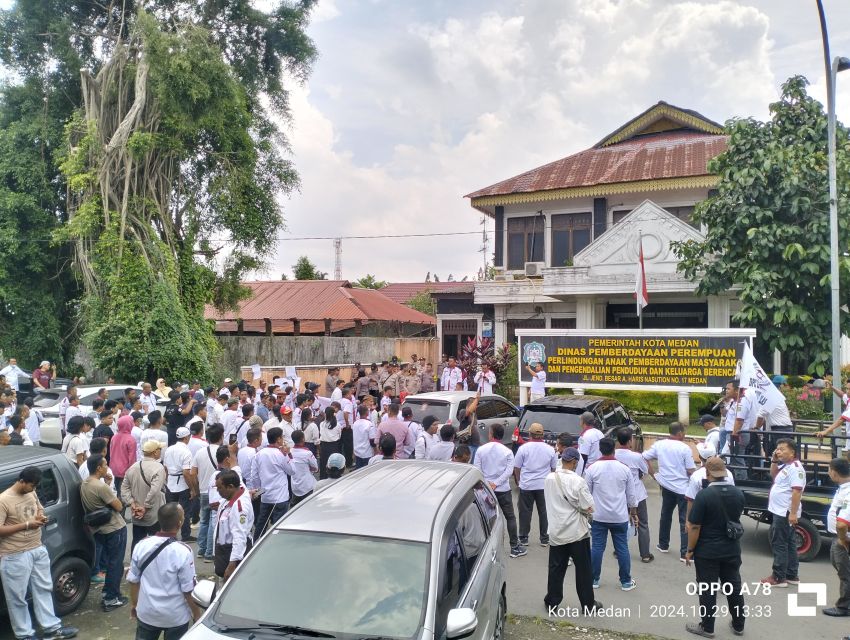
x: 654, y: 403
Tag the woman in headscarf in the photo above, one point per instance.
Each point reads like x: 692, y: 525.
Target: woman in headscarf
x: 122, y: 450
x: 162, y: 389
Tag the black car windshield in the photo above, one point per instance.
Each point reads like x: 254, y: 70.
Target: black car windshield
x: 44, y: 400
x: 553, y: 419
x: 348, y: 586
x: 421, y: 408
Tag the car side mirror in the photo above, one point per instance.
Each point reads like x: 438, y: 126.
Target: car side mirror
x: 460, y: 623
x: 204, y: 593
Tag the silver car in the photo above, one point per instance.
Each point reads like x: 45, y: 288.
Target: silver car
x: 447, y: 406
x: 400, y: 549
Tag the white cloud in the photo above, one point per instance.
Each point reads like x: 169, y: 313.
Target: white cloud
x: 409, y: 108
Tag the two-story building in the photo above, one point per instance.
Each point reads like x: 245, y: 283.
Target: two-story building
x: 568, y: 233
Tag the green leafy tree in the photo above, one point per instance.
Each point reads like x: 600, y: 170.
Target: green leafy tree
x: 170, y: 160
x: 370, y: 282
x: 768, y: 227
x: 424, y: 303
x: 304, y: 269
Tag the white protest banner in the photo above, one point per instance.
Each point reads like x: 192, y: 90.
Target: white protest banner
x: 256, y: 371
x: 290, y: 372
x: 754, y: 378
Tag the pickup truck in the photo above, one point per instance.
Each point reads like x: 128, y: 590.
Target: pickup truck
x: 752, y: 476
x: 67, y: 539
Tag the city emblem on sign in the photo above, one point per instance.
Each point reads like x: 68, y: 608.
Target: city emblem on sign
x: 534, y: 352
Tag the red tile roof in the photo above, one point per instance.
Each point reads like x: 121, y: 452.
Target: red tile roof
x: 673, y: 154
x: 312, y: 302
x: 401, y: 292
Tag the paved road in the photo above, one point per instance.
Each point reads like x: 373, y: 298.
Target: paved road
x: 660, y: 605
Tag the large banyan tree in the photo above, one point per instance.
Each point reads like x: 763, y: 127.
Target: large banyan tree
x: 171, y: 162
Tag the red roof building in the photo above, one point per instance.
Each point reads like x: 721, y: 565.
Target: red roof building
x: 403, y: 292
x: 323, y: 307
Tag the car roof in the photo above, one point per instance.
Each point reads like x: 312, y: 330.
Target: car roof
x: 571, y: 401
x: 451, y: 396
x: 398, y: 499
x: 15, y: 453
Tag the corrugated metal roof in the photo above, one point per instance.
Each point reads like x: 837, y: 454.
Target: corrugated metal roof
x: 401, y: 292
x: 675, y: 154
x: 315, y: 301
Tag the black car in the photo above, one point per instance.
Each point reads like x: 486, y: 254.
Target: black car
x: 560, y: 414
x: 67, y: 540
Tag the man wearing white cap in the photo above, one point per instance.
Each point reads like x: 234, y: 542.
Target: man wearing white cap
x: 225, y: 390
x: 698, y: 480
x: 180, y: 485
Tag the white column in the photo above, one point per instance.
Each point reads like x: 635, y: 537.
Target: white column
x: 578, y: 391
x: 523, y: 396
x: 585, y: 313
x: 479, y: 326
x: 718, y: 312
x: 777, y: 361
x: 684, y: 407
x: 500, y: 324
x: 439, y: 336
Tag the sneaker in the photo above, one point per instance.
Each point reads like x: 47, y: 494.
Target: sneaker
x: 115, y: 603
x: 524, y: 541
x: 836, y: 612
x: 98, y: 578
x: 773, y: 582
x: 648, y: 559
x: 737, y: 632
x: 208, y: 558
x: 628, y: 586
x: 696, y: 629
x: 544, y: 543
x: 683, y: 559
x: 662, y: 549
x: 792, y: 580
x: 597, y: 606
x: 596, y: 584
x: 518, y: 551
x: 60, y: 632
x: 201, y: 554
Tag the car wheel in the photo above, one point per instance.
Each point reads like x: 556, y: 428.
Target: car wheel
x: 71, y: 580
x: 807, y: 540
x: 501, y: 614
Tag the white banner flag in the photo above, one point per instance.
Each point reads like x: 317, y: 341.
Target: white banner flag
x: 754, y: 378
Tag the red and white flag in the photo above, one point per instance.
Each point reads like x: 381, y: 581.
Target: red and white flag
x: 641, y: 294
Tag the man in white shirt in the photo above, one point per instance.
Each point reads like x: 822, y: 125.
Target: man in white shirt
x: 532, y: 463
x: 204, y: 465
x: 496, y: 463
x: 743, y: 438
x: 568, y: 503
x: 538, y: 381
x: 148, y: 398
x: 485, y: 379
x: 245, y: 460
x: 837, y: 523
x: 336, y: 394
x: 180, y: 484
x: 699, y: 479
x: 588, y: 441
x: 728, y: 409
x: 777, y: 419
x: 200, y: 417
x: 784, y: 504
x: 637, y: 465
x: 675, y: 465
x: 163, y: 571
x: 231, y: 417
x: 443, y: 449
x: 428, y: 437
x: 235, y: 523
x: 304, y: 465
x: 451, y: 376
x: 712, y: 432
x: 271, y: 472
x: 613, y: 489
x: 12, y: 371
x: 215, y: 412
x: 361, y: 430
x: 414, y: 427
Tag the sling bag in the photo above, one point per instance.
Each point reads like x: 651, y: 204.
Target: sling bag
x: 153, y: 555
x: 734, y: 530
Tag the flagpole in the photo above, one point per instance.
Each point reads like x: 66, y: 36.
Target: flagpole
x: 639, y: 306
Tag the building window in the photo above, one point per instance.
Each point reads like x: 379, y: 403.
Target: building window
x: 570, y: 234
x: 685, y: 214
x: 526, y: 241
x: 619, y: 215
x: 563, y: 323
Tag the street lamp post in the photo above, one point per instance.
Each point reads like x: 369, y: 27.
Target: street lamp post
x: 838, y: 64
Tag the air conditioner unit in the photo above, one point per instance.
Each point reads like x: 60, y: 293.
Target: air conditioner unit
x: 501, y: 277
x: 534, y: 269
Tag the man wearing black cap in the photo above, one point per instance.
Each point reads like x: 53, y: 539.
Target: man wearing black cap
x: 712, y: 432
x: 569, y: 505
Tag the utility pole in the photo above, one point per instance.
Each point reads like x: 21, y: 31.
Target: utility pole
x: 485, y: 243
x: 337, y: 258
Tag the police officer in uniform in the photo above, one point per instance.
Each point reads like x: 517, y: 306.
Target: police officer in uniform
x: 235, y: 521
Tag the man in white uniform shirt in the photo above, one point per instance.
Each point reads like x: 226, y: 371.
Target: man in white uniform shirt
x: 361, y: 431
x: 496, y: 463
x: 699, y: 479
x: 538, y: 381
x: 712, y: 432
x: 637, y: 465
x: 777, y: 419
x: 588, y: 441
x: 304, y: 465
x: 235, y: 522
x: 12, y: 371
x: 451, y: 376
x: 485, y: 379
x: 215, y: 412
x: 204, y: 465
x: 784, y: 504
x: 180, y: 485
x: 148, y: 398
x: 271, y: 472
x: 837, y: 523
x: 675, y: 465
x: 613, y: 489
x: 161, y: 578
x: 744, y: 439
x: 729, y: 406
x: 532, y: 463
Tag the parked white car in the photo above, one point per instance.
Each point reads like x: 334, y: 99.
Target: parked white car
x: 47, y: 402
x: 445, y: 406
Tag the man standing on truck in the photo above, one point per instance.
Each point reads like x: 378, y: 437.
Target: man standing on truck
x: 784, y: 504
x: 25, y: 565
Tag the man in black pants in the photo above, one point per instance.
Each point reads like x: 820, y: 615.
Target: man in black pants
x: 569, y: 503
x: 715, y: 553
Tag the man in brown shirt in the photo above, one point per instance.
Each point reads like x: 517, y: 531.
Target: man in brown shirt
x: 110, y: 537
x: 24, y: 563
x: 142, y: 489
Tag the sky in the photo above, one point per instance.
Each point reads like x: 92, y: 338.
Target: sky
x: 412, y: 105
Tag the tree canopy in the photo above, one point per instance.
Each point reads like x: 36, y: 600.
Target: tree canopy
x: 147, y: 131
x: 304, y: 269
x: 369, y: 282
x: 768, y: 227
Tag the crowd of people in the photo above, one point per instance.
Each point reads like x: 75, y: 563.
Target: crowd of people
x: 233, y: 460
